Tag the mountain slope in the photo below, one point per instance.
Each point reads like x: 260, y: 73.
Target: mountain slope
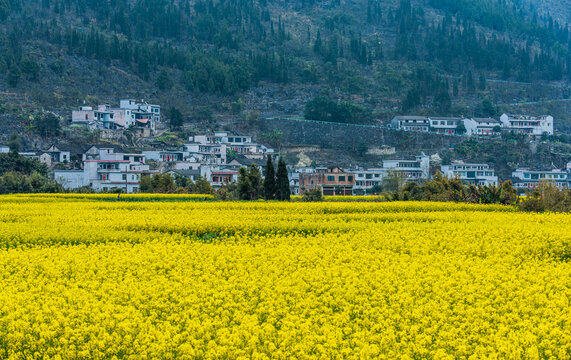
x: 221, y: 57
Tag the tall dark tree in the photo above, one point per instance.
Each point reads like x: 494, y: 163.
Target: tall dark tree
x: 270, y: 180
x: 282, y: 182
x: 176, y: 119
x: 46, y: 124
x: 250, y: 183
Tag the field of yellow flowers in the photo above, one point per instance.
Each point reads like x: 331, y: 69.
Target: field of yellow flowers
x: 85, y: 277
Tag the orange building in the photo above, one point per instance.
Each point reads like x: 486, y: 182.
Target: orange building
x: 332, y: 182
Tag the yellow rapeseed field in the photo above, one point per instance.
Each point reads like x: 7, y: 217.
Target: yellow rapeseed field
x: 86, y: 277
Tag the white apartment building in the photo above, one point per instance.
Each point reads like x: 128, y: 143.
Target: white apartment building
x: 411, y: 170
x: 526, y: 124
x: 212, y: 149
x: 445, y: 125
x: 524, y: 178
x: 482, y: 126
x: 366, y: 179
x: 475, y: 174
x: 411, y: 123
x: 128, y: 114
x: 110, y: 170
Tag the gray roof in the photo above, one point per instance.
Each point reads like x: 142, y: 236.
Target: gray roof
x: 486, y: 120
x: 445, y: 118
x: 187, y: 172
x: 242, y: 160
x: 410, y: 117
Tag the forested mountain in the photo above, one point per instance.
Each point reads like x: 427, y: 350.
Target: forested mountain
x: 380, y: 56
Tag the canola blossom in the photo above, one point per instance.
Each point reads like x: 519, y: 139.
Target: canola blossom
x: 84, y: 277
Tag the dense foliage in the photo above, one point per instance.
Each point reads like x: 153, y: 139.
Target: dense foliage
x: 225, y: 47
x: 441, y: 188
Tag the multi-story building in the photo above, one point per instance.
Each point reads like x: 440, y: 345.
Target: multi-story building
x: 526, y: 124
x: 410, y: 170
x: 334, y: 181
x: 482, y: 126
x: 475, y: 174
x: 524, y: 178
x: 218, y: 176
x: 411, y: 123
x: 367, y: 179
x: 212, y: 149
x: 110, y: 170
x: 128, y: 114
x: 445, y: 125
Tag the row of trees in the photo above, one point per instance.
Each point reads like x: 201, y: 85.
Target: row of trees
x: 274, y: 186
x: 250, y: 186
x: 441, y: 188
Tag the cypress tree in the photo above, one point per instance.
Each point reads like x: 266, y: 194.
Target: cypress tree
x: 270, y: 181
x: 282, y: 179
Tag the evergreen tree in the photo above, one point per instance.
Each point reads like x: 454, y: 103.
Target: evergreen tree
x: 270, y: 181
x: 282, y: 181
x: 317, y: 44
x: 176, y: 119
x: 250, y: 185
x: 46, y: 124
x: 14, y: 75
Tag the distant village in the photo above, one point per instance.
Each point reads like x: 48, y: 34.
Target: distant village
x: 517, y: 124
x: 218, y: 157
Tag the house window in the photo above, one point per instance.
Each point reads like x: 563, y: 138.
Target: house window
x: 330, y: 178
x: 341, y: 178
x: 350, y: 178
x: 124, y: 177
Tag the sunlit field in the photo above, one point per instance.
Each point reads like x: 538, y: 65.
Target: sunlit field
x: 90, y: 277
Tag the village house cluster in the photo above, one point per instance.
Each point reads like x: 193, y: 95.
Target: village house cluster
x: 218, y: 157
x: 215, y: 157
x: 336, y: 181
x: 130, y: 114
x: 517, y: 124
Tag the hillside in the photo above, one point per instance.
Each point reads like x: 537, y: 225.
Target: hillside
x: 223, y: 59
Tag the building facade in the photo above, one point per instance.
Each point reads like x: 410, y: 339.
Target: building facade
x: 334, y: 181
x: 475, y: 174
x: 410, y: 170
x: 528, y: 125
x: 411, y: 123
x: 524, y: 178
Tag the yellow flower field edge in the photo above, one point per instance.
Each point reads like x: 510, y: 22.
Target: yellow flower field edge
x: 112, y: 197
x: 339, y: 198
x: 82, y: 278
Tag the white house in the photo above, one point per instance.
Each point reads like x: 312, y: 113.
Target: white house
x: 128, y: 114
x: 106, y: 171
x: 4, y: 149
x: 366, y: 179
x: 212, y: 149
x: 524, y: 178
x: 482, y: 126
x: 218, y: 176
x: 417, y: 169
x: 85, y: 116
x: 153, y: 111
x: 445, y: 125
x: 411, y: 123
x: 475, y: 174
x: 526, y: 124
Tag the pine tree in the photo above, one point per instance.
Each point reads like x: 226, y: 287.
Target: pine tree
x: 282, y: 181
x: 270, y: 181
